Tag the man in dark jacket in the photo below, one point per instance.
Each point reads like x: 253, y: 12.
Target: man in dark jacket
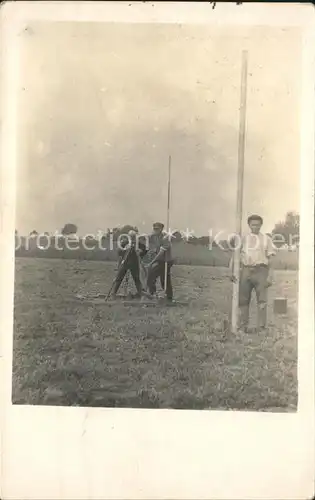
x: 162, y: 261
x: 129, y: 252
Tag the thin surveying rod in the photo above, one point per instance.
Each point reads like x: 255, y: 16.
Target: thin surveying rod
x: 240, y: 188
x: 168, y: 216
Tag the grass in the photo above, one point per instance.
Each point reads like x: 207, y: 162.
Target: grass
x: 68, y: 352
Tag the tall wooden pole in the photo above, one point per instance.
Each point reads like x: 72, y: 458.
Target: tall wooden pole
x: 240, y: 187
x: 168, y: 215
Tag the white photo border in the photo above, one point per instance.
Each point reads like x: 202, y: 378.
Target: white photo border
x: 59, y: 452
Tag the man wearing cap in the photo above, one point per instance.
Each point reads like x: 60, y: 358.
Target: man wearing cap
x: 161, y: 251
x: 255, y: 271
x: 130, y: 251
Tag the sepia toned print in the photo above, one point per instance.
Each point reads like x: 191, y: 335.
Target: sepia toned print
x: 148, y: 272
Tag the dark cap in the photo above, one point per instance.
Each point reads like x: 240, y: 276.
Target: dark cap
x: 158, y: 225
x: 253, y: 217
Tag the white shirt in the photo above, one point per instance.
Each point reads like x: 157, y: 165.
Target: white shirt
x: 256, y: 249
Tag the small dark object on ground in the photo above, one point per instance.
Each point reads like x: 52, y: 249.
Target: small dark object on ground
x: 280, y: 306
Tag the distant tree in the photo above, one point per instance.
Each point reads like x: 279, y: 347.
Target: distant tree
x: 117, y: 231
x: 126, y: 228
x: 193, y: 240
x: 46, y: 233
x: 104, y: 240
x: 204, y: 240
x: 69, y: 229
x: 287, y: 231
x: 33, y: 233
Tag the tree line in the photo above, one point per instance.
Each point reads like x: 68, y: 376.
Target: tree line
x: 285, y: 232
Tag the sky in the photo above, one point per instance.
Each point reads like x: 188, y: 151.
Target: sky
x: 101, y: 106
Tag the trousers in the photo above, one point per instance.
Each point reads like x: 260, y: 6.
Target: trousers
x: 158, y: 271
x: 253, y: 278
x: 133, y: 267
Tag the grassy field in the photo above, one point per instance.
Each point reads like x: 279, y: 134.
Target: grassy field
x: 68, y: 352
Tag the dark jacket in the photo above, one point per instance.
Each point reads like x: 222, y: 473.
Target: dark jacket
x: 132, y: 255
x: 158, y: 242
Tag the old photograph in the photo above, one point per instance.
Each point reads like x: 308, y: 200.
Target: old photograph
x: 157, y: 216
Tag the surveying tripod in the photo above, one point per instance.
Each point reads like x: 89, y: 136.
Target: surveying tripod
x: 129, y: 265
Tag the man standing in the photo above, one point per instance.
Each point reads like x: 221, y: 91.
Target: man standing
x: 129, y: 253
x: 255, y: 271
x: 160, y: 265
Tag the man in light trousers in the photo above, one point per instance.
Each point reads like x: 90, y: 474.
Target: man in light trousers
x: 256, y: 254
